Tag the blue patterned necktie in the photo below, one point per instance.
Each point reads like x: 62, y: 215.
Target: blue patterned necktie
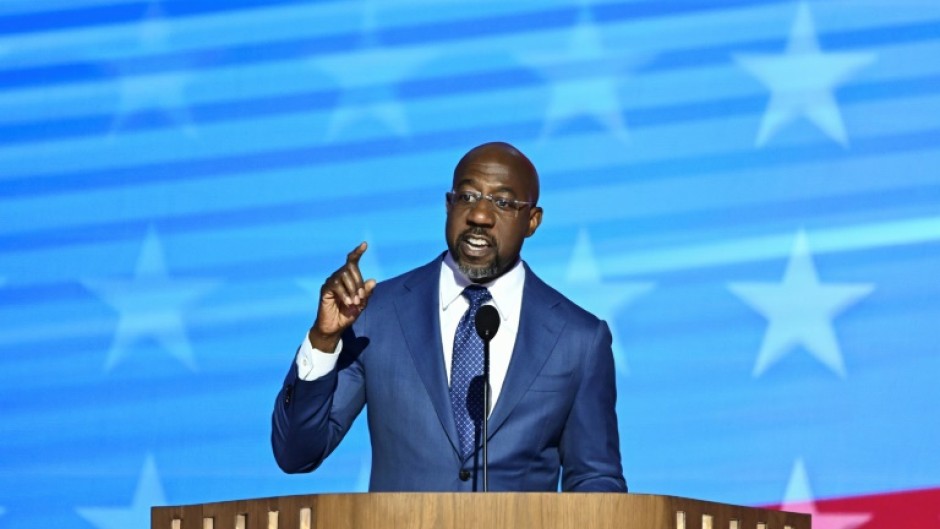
x: 466, y: 378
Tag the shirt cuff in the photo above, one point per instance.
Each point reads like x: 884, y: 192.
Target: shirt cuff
x: 313, y: 363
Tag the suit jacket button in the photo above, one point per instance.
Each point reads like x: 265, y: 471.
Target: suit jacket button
x: 288, y: 390
x: 464, y: 475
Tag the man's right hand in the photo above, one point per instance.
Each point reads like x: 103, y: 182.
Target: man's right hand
x: 343, y: 297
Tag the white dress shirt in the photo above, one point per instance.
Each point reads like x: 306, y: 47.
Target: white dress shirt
x: 506, y: 291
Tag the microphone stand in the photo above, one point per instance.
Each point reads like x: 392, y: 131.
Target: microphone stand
x: 486, y: 412
x: 487, y: 323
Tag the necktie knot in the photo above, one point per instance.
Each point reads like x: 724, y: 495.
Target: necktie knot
x: 477, y: 296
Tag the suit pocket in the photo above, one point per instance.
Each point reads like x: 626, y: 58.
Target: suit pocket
x: 550, y: 382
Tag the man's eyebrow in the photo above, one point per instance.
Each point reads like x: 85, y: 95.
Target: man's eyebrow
x: 504, y: 189
x: 465, y: 181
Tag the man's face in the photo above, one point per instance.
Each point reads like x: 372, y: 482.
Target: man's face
x: 485, y: 241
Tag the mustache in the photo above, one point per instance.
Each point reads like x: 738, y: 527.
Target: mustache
x: 479, y: 233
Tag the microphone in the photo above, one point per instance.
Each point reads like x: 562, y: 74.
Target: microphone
x: 487, y: 323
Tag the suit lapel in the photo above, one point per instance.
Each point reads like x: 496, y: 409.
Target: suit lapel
x: 419, y: 317
x: 539, y: 328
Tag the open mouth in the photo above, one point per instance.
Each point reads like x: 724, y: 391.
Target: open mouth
x: 475, y: 246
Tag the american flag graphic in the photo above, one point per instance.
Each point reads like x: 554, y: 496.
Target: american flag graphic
x: 748, y: 191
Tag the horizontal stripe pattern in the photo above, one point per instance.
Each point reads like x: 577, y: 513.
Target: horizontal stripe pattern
x: 177, y: 178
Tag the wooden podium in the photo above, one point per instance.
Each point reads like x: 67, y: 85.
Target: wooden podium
x: 473, y: 511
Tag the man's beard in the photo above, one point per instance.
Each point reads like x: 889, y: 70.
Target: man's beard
x: 479, y: 272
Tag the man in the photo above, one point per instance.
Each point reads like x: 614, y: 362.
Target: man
x: 412, y: 356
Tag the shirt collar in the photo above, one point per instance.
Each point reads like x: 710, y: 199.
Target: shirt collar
x: 506, y: 289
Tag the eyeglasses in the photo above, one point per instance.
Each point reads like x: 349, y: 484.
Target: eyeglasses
x: 504, y: 206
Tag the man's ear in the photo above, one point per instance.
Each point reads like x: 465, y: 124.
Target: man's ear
x: 535, y: 219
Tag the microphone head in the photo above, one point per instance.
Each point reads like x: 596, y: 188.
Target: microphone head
x: 487, y: 322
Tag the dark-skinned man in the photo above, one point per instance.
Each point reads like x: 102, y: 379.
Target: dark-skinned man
x: 407, y: 348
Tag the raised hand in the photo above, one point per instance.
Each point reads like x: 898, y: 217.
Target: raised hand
x: 343, y: 297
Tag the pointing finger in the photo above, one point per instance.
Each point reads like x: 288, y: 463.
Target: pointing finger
x: 353, y: 256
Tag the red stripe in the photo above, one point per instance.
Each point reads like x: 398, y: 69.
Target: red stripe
x: 917, y: 509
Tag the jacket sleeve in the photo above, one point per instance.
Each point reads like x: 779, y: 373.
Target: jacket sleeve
x: 311, y: 417
x: 590, y: 443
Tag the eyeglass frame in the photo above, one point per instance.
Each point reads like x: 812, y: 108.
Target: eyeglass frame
x: 515, y: 206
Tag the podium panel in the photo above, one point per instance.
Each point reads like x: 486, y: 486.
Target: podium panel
x: 473, y: 511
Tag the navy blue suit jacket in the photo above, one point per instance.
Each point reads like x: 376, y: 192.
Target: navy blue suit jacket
x: 555, y: 412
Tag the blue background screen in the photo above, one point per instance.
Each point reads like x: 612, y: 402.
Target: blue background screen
x: 747, y: 191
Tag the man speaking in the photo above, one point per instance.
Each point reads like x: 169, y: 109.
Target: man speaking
x: 409, y: 349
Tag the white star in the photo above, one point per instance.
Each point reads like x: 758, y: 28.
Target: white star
x: 149, y: 493
x: 368, y: 78
x: 150, y: 304
x: 800, y: 310
x: 585, y: 287
x: 142, y: 92
x: 799, y: 498
x: 584, y: 80
x: 802, y: 81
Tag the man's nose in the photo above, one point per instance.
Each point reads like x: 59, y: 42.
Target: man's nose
x: 482, y: 212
